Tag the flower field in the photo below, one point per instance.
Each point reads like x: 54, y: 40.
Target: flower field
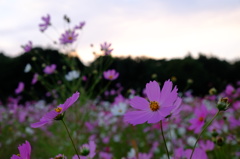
x: 85, y: 122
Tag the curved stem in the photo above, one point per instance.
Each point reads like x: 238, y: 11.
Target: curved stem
x: 164, y: 139
x: 71, y: 139
x: 205, y: 127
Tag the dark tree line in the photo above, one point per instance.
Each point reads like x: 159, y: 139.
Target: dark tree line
x: 204, y: 72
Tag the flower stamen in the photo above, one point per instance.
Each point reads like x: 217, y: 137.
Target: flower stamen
x: 154, y: 106
x: 200, y: 119
x: 58, y: 109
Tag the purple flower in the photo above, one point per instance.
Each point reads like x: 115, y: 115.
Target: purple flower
x: 45, y: 24
x: 198, y: 122
x: 206, y: 146
x: 27, y: 47
x: 49, y: 69
x: 105, y: 47
x: 35, y: 78
x: 110, y: 74
x: 24, y: 150
x: 68, y: 37
x: 80, y: 26
x: 160, y: 105
x: 105, y: 155
x: 20, y: 88
x: 229, y: 90
x: 57, y: 112
x: 198, y: 154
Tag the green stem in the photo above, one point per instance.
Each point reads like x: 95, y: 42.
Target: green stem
x: 164, y: 139
x: 205, y: 127
x: 71, y: 139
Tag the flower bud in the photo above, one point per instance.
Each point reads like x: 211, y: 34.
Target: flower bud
x: 154, y: 76
x: 220, y: 141
x: 173, y: 79
x: 189, y: 81
x: 223, y: 104
x: 212, y: 91
x: 84, y: 151
x: 214, y: 133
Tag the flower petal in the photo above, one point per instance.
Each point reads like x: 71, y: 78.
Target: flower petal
x: 167, y: 87
x: 165, y: 111
x: 155, y: 118
x: 170, y: 98
x: 153, y: 91
x: 137, y: 117
x: 139, y: 103
x: 39, y: 124
x: 49, y: 116
x: 177, y: 105
x: 70, y: 101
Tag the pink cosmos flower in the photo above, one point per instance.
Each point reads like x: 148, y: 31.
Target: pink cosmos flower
x: 110, y: 74
x: 198, y: 122
x: 45, y: 24
x: 160, y: 105
x: 198, y: 154
x: 24, y: 151
x: 57, y: 112
x: 206, y: 146
x: 20, y: 88
x: 68, y: 37
x: 143, y: 156
x: 49, y: 69
x: 229, y: 89
x: 35, y: 78
x: 105, y: 47
x: 27, y: 47
x: 105, y: 155
x: 80, y: 26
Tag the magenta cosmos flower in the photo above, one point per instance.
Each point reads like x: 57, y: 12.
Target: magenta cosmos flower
x: 161, y: 104
x: 27, y: 47
x: 20, y: 88
x: 24, y: 151
x: 105, y: 47
x: 68, y: 37
x: 34, y: 79
x: 58, y: 112
x: 45, y: 24
x: 80, y: 26
x: 49, y: 69
x: 110, y: 74
x: 198, y: 122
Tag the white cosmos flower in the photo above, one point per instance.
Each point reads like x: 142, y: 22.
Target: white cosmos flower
x: 72, y: 75
x: 119, y: 109
x: 27, y: 68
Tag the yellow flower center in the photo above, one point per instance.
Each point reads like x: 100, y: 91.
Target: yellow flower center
x: 70, y: 38
x: 18, y: 155
x: 201, y: 119
x: 110, y: 77
x: 58, y: 109
x: 154, y: 106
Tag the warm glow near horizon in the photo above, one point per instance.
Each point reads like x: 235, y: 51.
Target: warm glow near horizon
x: 154, y: 29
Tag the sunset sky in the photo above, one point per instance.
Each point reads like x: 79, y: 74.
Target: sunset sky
x: 153, y: 28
